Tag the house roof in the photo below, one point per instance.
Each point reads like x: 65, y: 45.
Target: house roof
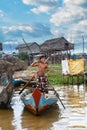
x: 59, y: 44
x: 30, y: 47
x: 25, y: 45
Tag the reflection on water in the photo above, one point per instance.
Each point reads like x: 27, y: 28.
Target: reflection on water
x: 74, y: 117
x: 43, y: 122
x: 17, y: 107
x: 23, y: 120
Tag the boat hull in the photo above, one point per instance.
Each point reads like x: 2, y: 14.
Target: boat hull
x: 37, y: 102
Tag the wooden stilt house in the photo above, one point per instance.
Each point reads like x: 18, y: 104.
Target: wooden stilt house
x: 57, y: 49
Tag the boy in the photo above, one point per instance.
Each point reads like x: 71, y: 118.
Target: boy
x: 42, y: 72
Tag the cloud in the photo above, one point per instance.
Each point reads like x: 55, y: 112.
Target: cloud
x: 11, y: 41
x: 70, y: 20
x: 16, y: 31
x: 1, y: 13
x: 41, y: 6
x: 42, y: 9
x: 21, y: 28
x: 69, y: 13
x: 81, y: 3
x: 36, y: 30
x: 40, y: 2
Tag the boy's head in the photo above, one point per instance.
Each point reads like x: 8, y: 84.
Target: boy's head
x: 42, y: 58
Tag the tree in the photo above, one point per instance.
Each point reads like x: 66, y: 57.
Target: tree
x: 23, y: 55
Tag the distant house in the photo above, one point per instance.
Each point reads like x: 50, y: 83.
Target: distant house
x: 32, y: 49
x: 57, y: 49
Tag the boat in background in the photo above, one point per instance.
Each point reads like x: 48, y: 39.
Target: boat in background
x: 37, y: 101
x: 17, y: 82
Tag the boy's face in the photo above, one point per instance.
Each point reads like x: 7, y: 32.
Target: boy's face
x: 42, y: 59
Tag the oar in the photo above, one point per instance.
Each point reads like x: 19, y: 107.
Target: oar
x: 58, y: 97
x: 26, y: 85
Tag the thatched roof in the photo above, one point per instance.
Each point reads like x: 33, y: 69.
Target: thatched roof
x: 31, y: 48
x: 58, y: 44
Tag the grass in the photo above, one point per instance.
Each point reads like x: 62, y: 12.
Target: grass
x: 55, y: 75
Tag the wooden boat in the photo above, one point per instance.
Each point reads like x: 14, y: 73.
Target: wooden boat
x: 38, y: 101
x: 6, y: 90
x: 17, y: 82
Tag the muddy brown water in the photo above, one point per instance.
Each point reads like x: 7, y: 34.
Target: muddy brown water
x: 74, y: 117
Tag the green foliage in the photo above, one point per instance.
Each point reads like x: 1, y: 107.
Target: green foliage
x: 23, y: 55
x: 55, y: 76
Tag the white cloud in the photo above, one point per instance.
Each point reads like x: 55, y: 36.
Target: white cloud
x: 31, y: 2
x: 1, y: 13
x: 56, y: 33
x: 68, y: 14
x: 41, y: 6
x: 78, y: 29
x: 40, y: 2
x: 19, y: 27
x: 11, y: 42
x: 74, y: 2
x: 70, y: 19
x: 43, y: 9
x: 18, y: 31
x: 75, y: 33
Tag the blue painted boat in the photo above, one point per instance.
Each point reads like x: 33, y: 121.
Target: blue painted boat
x: 17, y: 82
x: 38, y: 101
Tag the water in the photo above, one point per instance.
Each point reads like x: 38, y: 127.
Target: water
x: 74, y: 117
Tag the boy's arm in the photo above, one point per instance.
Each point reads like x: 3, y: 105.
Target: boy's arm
x: 34, y: 64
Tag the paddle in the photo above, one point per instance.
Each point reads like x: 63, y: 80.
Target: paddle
x: 58, y: 97
x: 26, y: 85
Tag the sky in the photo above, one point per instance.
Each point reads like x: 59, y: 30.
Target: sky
x: 41, y: 20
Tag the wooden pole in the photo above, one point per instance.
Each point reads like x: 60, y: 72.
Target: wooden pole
x: 28, y: 49
x: 83, y: 45
x: 83, y: 54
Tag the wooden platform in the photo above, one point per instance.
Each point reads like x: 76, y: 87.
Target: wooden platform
x: 72, y: 79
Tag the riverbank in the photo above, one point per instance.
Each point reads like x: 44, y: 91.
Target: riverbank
x: 55, y: 76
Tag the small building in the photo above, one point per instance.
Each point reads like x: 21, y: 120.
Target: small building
x: 57, y: 49
x: 32, y: 49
